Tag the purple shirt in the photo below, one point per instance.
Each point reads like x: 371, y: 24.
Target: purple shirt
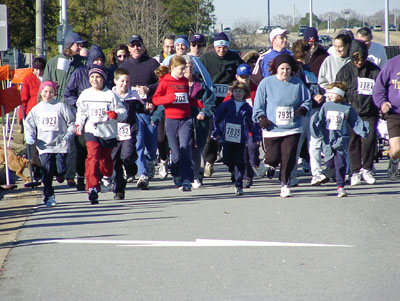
x: 387, y: 85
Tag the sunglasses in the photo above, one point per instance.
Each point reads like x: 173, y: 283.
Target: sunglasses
x: 122, y: 56
x: 135, y: 45
x: 197, y: 45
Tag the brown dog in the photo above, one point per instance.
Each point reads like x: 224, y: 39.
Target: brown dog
x: 15, y: 163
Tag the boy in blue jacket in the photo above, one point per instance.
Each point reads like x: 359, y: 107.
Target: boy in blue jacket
x: 232, y: 123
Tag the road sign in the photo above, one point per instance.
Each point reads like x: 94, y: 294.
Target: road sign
x: 3, y: 28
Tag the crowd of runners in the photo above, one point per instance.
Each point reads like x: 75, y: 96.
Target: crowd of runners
x: 104, y: 123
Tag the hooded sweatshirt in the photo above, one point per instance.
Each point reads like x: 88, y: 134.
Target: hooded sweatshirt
x: 329, y: 68
x: 174, y: 95
x: 80, y: 78
x: 360, y: 82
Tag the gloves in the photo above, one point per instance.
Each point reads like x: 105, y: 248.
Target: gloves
x: 302, y: 111
x: 112, y: 115
x: 67, y: 136
x: 30, y: 140
x: 264, y: 122
x: 78, y: 130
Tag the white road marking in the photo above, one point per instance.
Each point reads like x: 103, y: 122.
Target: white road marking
x: 196, y: 243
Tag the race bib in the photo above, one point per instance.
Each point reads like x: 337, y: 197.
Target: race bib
x: 220, y: 90
x: 365, y: 85
x: 124, y: 131
x: 284, y: 115
x: 49, y: 121
x: 233, y: 132
x: 334, y: 120
x: 181, y: 98
x: 97, y: 112
x: 63, y: 64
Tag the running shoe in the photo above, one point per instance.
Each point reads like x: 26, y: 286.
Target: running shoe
x: 51, y: 202
x: 270, y: 171
x: 163, y: 170
x: 208, y: 170
x: 186, y: 186
x: 319, y: 179
x: 60, y: 179
x: 71, y: 182
x: 355, y: 179
x: 393, y: 170
x: 239, y: 191
x: 341, y: 192
x: 368, y: 176
x: 285, y: 191
x: 130, y: 179
x: 177, y: 181
x: 106, y: 184
x: 80, y: 185
x: 143, y: 182
x: 119, y: 196
x: 93, y: 196
x: 196, y: 184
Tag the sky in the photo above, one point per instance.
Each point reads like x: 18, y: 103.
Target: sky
x: 229, y: 11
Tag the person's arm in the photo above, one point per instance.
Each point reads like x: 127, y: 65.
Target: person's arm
x: 161, y: 96
x: 381, y: 90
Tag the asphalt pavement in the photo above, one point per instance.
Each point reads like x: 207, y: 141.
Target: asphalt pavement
x: 165, y: 244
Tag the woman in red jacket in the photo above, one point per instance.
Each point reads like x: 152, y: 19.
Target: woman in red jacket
x: 173, y: 93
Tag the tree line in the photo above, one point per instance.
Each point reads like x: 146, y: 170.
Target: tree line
x: 109, y: 22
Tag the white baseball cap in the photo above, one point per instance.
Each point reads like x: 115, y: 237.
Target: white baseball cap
x: 276, y: 32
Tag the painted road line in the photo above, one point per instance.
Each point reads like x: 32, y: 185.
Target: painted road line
x: 196, y: 243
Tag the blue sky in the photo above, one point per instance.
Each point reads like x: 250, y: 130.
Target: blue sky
x: 229, y: 11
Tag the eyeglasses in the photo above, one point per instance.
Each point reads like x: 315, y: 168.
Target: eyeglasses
x: 135, y: 45
x: 122, y: 56
x: 197, y: 45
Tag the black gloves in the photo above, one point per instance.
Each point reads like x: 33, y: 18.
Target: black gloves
x: 302, y: 111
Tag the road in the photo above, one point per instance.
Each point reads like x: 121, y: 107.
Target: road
x: 163, y: 244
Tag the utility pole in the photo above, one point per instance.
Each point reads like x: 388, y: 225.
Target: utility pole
x: 310, y: 23
x: 387, y: 23
x: 268, y: 15
x: 39, y: 28
x: 63, y: 22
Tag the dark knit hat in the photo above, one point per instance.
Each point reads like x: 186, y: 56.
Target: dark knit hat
x: 284, y: 58
x: 98, y: 69
x: 311, y: 34
x: 72, y: 38
x: 221, y: 39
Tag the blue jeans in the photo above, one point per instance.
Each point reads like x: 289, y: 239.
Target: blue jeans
x: 179, y: 132
x: 146, y: 144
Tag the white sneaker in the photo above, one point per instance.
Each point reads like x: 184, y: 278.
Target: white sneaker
x: 106, y: 184
x: 355, y: 179
x: 368, y: 176
x: 393, y: 170
x: 51, y: 202
x: 239, y: 191
x: 208, y: 170
x: 285, y: 191
x: 341, y: 192
x: 196, y: 184
x: 163, y: 170
x: 319, y: 179
x: 143, y: 182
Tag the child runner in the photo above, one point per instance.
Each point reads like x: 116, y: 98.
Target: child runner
x: 332, y: 123
x: 172, y: 92
x: 50, y: 124
x: 233, y: 123
x: 124, y: 154
x: 98, y: 113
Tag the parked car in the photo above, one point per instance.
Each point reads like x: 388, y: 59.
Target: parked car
x: 302, y: 29
x: 392, y: 27
x: 377, y: 28
x: 260, y: 30
x: 325, y: 41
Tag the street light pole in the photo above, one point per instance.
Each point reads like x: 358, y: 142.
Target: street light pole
x: 387, y: 23
x: 310, y: 23
x: 39, y: 28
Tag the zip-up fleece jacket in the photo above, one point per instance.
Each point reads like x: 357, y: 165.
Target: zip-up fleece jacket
x: 92, y: 107
x: 358, y: 80
x: 174, y: 95
x: 48, y: 123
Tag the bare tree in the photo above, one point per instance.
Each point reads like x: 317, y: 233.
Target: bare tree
x: 283, y: 21
x: 246, y: 33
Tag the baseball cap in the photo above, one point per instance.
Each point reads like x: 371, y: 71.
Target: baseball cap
x: 72, y: 38
x: 136, y: 38
x: 197, y: 38
x: 243, y: 69
x: 276, y: 32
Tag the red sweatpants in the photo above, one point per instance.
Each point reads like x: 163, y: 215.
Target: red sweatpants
x: 98, y: 163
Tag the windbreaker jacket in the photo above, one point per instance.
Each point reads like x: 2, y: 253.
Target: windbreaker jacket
x: 92, y: 107
x: 48, y: 123
x: 360, y: 82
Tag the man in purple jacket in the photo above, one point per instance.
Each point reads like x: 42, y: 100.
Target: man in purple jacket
x: 386, y: 95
